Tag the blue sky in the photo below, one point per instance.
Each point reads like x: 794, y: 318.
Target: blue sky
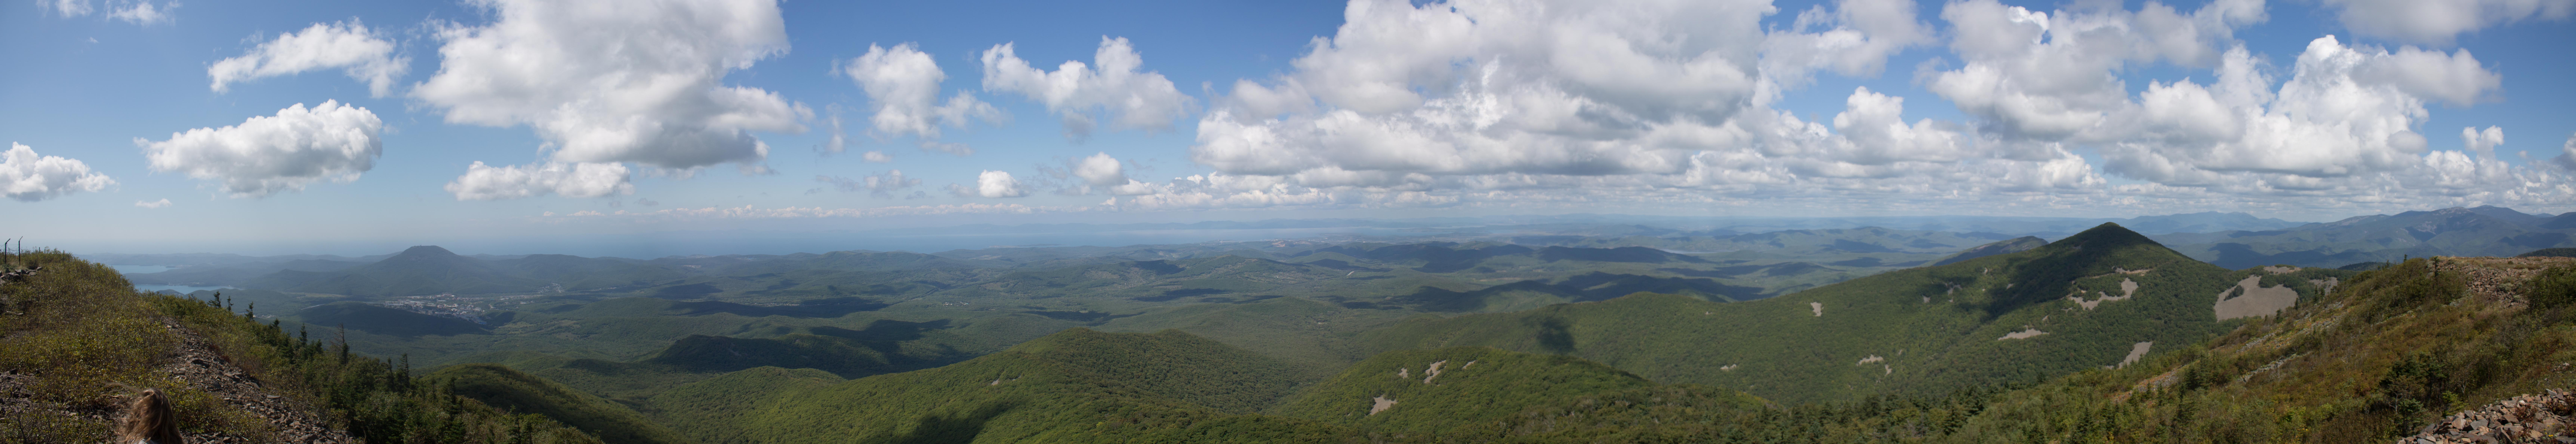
x: 652, y: 116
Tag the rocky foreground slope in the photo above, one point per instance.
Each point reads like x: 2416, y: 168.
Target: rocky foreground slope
x: 76, y: 340
x: 192, y: 366
x: 2538, y: 418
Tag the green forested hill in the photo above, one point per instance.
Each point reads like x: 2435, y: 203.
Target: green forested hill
x: 852, y: 346
x: 714, y: 410
x: 511, y: 390
x: 1313, y: 337
x: 1918, y: 331
x: 1074, y: 386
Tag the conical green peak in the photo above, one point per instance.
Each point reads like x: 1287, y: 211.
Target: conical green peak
x: 2105, y: 237
x: 425, y: 250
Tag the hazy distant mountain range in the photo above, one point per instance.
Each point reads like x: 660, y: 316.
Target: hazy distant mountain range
x: 2481, y: 231
x: 1842, y: 243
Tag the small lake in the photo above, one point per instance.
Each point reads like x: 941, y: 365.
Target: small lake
x: 148, y: 288
x: 182, y: 289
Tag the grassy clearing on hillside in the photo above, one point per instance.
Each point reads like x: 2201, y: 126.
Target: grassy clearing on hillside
x: 79, y: 335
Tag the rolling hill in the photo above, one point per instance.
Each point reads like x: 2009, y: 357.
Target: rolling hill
x: 1086, y: 386
x: 1074, y: 386
x: 1464, y: 393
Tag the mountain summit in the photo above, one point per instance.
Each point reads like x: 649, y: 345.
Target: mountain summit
x: 2108, y: 235
x: 429, y: 256
x: 421, y: 270
x: 423, y: 251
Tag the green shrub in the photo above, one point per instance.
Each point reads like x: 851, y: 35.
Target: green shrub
x: 2552, y: 289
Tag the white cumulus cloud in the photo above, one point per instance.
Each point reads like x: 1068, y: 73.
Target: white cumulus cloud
x: 1112, y: 87
x: 484, y: 182
x: 1107, y: 174
x: 2481, y: 142
x: 268, y: 154
x: 28, y: 177
x: 992, y: 184
x: 2456, y: 77
x: 1531, y: 101
x: 604, y: 82
x: 2332, y: 119
x: 152, y: 204
x: 1100, y: 170
x: 903, y: 83
x: 2335, y: 130
x: 349, y: 45
x: 2052, y: 77
x: 1855, y: 39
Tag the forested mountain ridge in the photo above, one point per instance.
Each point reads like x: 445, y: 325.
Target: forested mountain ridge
x: 2086, y: 301
x: 2383, y: 356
